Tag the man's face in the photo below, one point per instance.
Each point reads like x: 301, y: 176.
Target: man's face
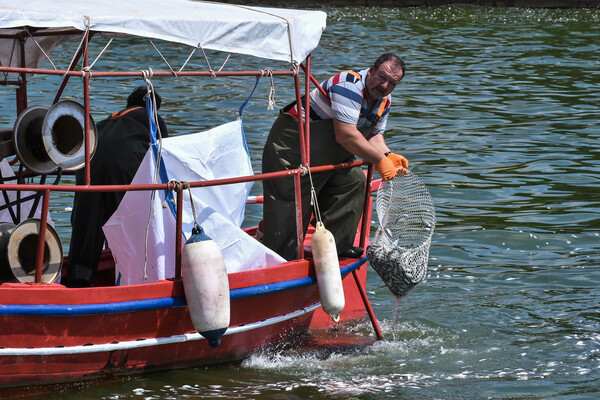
x: 380, y: 82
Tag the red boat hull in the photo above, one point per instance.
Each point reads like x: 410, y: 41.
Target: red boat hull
x: 52, y: 334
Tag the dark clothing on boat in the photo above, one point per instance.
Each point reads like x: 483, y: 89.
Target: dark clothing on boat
x: 340, y: 193
x: 123, y: 140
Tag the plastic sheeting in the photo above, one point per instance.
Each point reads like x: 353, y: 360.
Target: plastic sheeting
x: 215, y: 154
x: 273, y: 33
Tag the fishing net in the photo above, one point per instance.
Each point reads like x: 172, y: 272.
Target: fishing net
x: 399, y: 251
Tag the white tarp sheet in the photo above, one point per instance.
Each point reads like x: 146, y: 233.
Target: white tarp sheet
x: 215, y: 154
x: 273, y: 33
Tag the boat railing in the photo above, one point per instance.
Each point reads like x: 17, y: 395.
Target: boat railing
x: 86, y: 75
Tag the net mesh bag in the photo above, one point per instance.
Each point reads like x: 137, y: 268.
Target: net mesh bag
x: 399, y: 251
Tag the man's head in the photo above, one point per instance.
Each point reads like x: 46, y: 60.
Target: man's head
x: 384, y: 75
x: 138, y: 98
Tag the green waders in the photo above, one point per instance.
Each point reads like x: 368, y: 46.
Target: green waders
x: 340, y: 193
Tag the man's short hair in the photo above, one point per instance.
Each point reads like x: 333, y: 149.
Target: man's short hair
x: 394, y: 59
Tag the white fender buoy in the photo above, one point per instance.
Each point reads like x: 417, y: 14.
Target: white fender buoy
x: 206, y: 286
x: 327, y: 266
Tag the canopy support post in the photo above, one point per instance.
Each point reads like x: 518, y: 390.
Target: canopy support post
x: 297, y: 180
x: 86, y: 106
x: 21, y: 91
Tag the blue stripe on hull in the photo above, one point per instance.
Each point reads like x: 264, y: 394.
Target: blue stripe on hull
x: 60, y: 310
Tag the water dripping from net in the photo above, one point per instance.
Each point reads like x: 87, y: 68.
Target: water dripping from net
x: 395, y: 320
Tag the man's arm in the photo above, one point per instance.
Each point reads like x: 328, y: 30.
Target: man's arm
x: 379, y: 142
x: 352, y: 140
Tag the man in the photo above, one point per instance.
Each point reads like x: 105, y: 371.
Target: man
x: 348, y: 121
x: 123, y: 140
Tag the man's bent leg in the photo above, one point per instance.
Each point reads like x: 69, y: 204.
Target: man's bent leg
x: 281, y: 153
x: 341, y: 203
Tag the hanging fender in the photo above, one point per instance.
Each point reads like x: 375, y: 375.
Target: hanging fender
x: 206, y: 286
x: 329, y: 278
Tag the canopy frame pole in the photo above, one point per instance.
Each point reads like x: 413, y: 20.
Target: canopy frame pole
x: 303, y: 151
x: 307, y: 108
x: 303, y: 161
x: 66, y: 78
x: 86, y: 105
x: 21, y: 90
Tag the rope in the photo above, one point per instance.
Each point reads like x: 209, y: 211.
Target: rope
x: 225, y: 62
x: 271, y: 104
x: 86, y: 70
x: 161, y: 56
x: 85, y: 34
x: 42, y: 50
x: 212, y: 72
x: 101, y: 53
x: 289, y: 31
x: 313, y: 196
x: 188, y: 59
x: 186, y: 185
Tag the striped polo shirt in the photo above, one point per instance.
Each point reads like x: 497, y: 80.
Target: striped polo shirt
x: 346, y: 92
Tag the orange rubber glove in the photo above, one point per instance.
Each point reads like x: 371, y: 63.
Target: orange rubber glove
x: 386, y: 169
x: 399, y: 160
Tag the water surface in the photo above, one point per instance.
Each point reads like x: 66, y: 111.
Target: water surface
x: 499, y: 115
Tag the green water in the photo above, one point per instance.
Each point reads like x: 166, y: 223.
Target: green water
x: 499, y: 115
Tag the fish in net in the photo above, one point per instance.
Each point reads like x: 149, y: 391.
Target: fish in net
x: 399, y: 251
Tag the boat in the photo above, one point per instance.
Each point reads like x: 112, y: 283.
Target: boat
x: 51, y: 334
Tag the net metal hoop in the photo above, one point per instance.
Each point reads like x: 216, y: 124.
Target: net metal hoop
x: 399, y: 251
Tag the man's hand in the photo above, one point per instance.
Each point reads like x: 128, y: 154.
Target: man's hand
x: 386, y: 169
x: 399, y: 161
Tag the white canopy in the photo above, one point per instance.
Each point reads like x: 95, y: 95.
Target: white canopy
x: 273, y: 33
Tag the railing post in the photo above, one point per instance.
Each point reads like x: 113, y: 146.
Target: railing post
x: 365, y: 228
x: 299, y: 222
x: 178, y: 231
x: 39, y: 261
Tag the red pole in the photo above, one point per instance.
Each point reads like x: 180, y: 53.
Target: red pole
x: 300, y: 121
x: 297, y: 181
x: 364, y: 231
x: 299, y: 225
x: 178, y: 230
x: 21, y: 90
x: 307, y: 108
x: 365, y: 298
x: 313, y: 80
x: 39, y: 261
x: 86, y: 105
x: 365, y: 228
x: 66, y: 78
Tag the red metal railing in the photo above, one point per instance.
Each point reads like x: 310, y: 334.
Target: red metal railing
x: 304, y: 140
